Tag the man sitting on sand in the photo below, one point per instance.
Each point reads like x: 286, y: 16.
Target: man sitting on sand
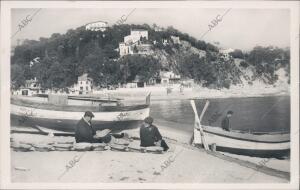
x: 226, y: 122
x: 150, y: 135
x: 84, y: 131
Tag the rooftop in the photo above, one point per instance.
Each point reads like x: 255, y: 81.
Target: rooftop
x: 96, y: 22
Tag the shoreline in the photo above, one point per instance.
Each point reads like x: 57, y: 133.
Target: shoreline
x: 158, y: 93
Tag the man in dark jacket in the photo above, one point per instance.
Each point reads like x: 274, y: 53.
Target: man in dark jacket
x: 84, y: 131
x: 226, y: 122
x: 150, y: 135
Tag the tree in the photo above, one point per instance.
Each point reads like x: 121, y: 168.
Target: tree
x: 17, y: 76
x: 136, y: 65
x: 237, y: 54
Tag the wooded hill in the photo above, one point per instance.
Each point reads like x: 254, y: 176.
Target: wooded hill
x: 58, y: 61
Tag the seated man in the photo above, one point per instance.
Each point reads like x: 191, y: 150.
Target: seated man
x: 150, y: 135
x: 84, y: 131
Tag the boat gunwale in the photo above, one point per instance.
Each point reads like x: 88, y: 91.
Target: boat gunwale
x: 76, y: 108
x: 250, y: 137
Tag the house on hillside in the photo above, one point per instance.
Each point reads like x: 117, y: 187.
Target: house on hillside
x: 97, y: 26
x: 165, y: 42
x: 169, y: 77
x: 124, y: 49
x: 135, y: 36
x: 30, y: 88
x: 84, y: 85
x: 33, y: 84
x: 135, y: 43
x: 226, y: 53
x: 175, y: 39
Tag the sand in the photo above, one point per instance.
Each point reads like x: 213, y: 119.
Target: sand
x: 109, y: 166
x: 182, y: 164
x: 160, y: 92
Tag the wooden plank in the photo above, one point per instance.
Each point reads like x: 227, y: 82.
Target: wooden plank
x: 256, y: 167
x: 198, y: 122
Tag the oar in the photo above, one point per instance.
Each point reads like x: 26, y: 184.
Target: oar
x: 45, y: 132
x: 198, y: 122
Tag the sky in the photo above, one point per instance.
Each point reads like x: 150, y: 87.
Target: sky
x: 239, y: 28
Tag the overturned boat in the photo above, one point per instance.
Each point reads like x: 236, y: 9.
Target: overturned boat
x: 60, y: 115
x: 266, y: 144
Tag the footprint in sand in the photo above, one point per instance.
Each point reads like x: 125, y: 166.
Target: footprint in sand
x: 156, y: 173
x: 124, y: 178
x: 142, y: 179
x: 139, y: 171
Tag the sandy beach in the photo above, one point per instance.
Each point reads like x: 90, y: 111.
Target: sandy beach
x: 109, y: 166
x: 182, y: 164
x: 196, y: 92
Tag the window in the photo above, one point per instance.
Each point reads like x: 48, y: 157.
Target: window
x: 87, y: 88
x: 81, y: 88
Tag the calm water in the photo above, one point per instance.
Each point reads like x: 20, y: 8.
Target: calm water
x: 260, y: 114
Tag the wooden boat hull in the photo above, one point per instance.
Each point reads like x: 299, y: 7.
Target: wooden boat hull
x: 65, y: 118
x: 69, y: 125
x: 265, y: 145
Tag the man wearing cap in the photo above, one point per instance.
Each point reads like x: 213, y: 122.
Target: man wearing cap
x: 150, y: 135
x: 84, y: 131
x: 226, y: 122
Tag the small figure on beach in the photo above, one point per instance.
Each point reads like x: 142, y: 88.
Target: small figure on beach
x: 226, y: 122
x: 169, y: 90
x: 85, y: 132
x: 150, y: 135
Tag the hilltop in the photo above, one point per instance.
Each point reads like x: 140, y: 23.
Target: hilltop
x: 58, y: 61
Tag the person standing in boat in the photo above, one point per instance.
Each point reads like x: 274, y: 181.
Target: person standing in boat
x: 85, y: 132
x: 226, y: 121
x: 150, y: 135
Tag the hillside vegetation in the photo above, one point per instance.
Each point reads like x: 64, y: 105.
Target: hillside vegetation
x: 57, y: 61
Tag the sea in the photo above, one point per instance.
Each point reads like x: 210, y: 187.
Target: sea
x: 251, y: 114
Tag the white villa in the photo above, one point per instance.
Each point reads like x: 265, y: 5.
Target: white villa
x: 135, y: 36
x: 133, y: 42
x: 225, y: 53
x: 96, y: 26
x: 84, y: 85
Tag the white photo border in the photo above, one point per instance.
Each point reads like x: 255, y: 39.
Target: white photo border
x: 6, y: 32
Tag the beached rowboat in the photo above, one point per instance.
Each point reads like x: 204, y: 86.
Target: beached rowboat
x: 268, y: 144
x: 264, y: 145
x: 26, y: 112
